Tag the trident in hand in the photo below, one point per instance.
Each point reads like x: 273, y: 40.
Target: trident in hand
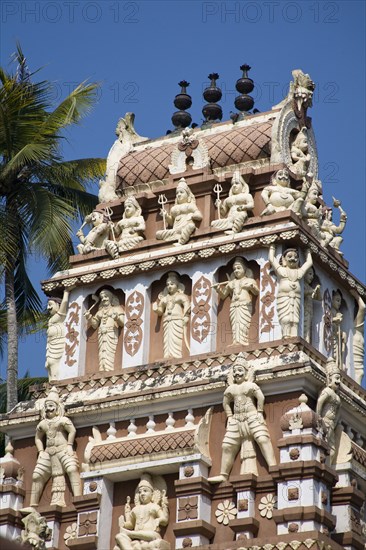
x: 108, y: 212
x: 218, y: 190
x: 163, y: 200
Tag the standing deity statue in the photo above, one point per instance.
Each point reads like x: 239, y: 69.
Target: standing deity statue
x: 358, y: 338
x: 279, y: 196
x: 128, y: 231
x: 241, y: 287
x: 289, y: 274
x: 173, y: 305
x: 311, y: 292
x: 328, y: 407
x: 109, y: 317
x: 339, y: 337
x: 140, y: 526
x: 330, y: 232
x: 183, y: 216
x: 245, y: 424
x: 300, y: 153
x: 56, y: 333
x: 56, y: 457
x: 95, y: 240
x: 235, y: 207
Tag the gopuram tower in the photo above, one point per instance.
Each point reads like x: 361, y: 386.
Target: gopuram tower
x: 205, y: 351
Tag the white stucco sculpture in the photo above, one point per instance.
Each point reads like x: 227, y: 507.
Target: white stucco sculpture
x: 339, y: 336
x: 109, y: 317
x: 241, y: 287
x: 128, y: 232
x: 311, y: 209
x: 311, y: 292
x: 183, y: 216
x: 289, y: 274
x: 54, y: 440
x: 173, y: 305
x: 36, y: 532
x: 279, y: 195
x: 330, y: 232
x: 56, y: 333
x: 300, y: 153
x: 95, y: 239
x: 140, y: 525
x: 359, y: 338
x: 328, y: 406
x: 243, y: 404
x: 235, y: 207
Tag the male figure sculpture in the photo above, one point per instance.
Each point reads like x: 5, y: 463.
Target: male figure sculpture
x: 97, y: 235
x: 245, y: 424
x: 56, y: 334
x: 328, y: 406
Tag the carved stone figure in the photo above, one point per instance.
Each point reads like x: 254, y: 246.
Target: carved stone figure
x: 311, y: 211
x: 140, y: 526
x: 183, y: 216
x: 358, y: 338
x: 302, y: 89
x: 173, y: 305
x: 241, y: 287
x: 36, y: 531
x: 328, y: 407
x: 56, y: 456
x: 279, y: 196
x: 300, y: 153
x: 235, y: 207
x: 330, y: 232
x: 245, y: 423
x: 109, y: 317
x: 339, y: 337
x: 97, y: 235
x: 311, y: 292
x: 289, y: 274
x: 56, y: 333
x: 128, y: 232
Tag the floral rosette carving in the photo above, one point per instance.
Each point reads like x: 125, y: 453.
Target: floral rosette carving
x: 201, y: 319
x: 267, y: 505
x: 226, y: 512
x: 133, y: 331
x: 268, y: 287
x: 327, y: 320
x: 72, y: 335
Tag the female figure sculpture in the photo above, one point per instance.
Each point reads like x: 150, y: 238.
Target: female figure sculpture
x: 311, y: 293
x: 235, y: 207
x: 108, y: 318
x: 129, y: 230
x: 56, y: 333
x: 241, y: 287
x: 182, y: 216
x: 339, y: 337
x: 173, y: 305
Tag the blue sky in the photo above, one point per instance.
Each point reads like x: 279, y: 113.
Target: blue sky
x: 139, y: 50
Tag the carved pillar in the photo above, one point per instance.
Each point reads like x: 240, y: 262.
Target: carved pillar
x: 203, y: 314
x: 94, y: 509
x: 136, y: 329
x: 11, y: 493
x: 245, y: 524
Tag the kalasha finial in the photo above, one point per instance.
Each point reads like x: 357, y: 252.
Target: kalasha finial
x: 182, y: 101
x: 244, y: 86
x: 212, y: 111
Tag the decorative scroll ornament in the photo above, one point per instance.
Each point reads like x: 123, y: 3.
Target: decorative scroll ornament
x: 133, y: 331
x: 327, y: 321
x: 72, y: 335
x: 268, y: 287
x: 201, y: 319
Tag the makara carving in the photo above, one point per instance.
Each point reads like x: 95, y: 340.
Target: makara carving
x: 128, y: 232
x: 36, y: 531
x: 235, y: 207
x: 279, y: 195
x: 56, y: 334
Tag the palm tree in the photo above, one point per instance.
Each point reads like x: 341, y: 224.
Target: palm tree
x: 40, y: 193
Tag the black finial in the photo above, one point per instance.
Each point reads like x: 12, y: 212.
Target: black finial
x: 182, y: 101
x: 212, y: 111
x: 244, y: 86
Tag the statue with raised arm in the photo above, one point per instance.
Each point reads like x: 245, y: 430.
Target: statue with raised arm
x: 140, y: 525
x: 109, y: 317
x: 128, y: 232
x: 241, y: 287
x: 56, y: 333
x: 300, y: 153
x: 328, y: 407
x: 235, y: 207
x: 55, y: 436
x: 289, y: 274
x: 359, y: 338
x: 311, y: 292
x: 243, y: 404
x: 182, y: 217
x: 174, y: 306
x: 279, y: 195
x: 95, y: 239
x: 330, y: 232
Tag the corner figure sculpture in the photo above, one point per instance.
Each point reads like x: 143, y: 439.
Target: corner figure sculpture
x: 183, y: 216
x: 140, y: 526
x: 339, y: 337
x: 108, y: 318
x: 358, y: 338
x: 128, y: 232
x: 311, y: 292
x: 56, y: 333
x: 300, y: 153
x: 56, y: 457
x: 173, y: 305
x: 241, y: 287
x: 311, y: 211
x: 289, y: 274
x: 330, y: 232
x: 328, y: 407
x: 245, y: 424
x: 235, y: 207
x: 279, y: 196
x: 36, y: 531
x: 97, y: 235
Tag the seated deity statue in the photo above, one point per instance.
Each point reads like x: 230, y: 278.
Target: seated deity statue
x: 300, y: 153
x: 235, y: 207
x: 279, y: 196
x: 329, y: 231
x: 328, y: 407
x: 173, y: 305
x: 128, y: 232
x: 95, y: 240
x: 182, y: 217
x: 140, y: 525
x: 311, y: 210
